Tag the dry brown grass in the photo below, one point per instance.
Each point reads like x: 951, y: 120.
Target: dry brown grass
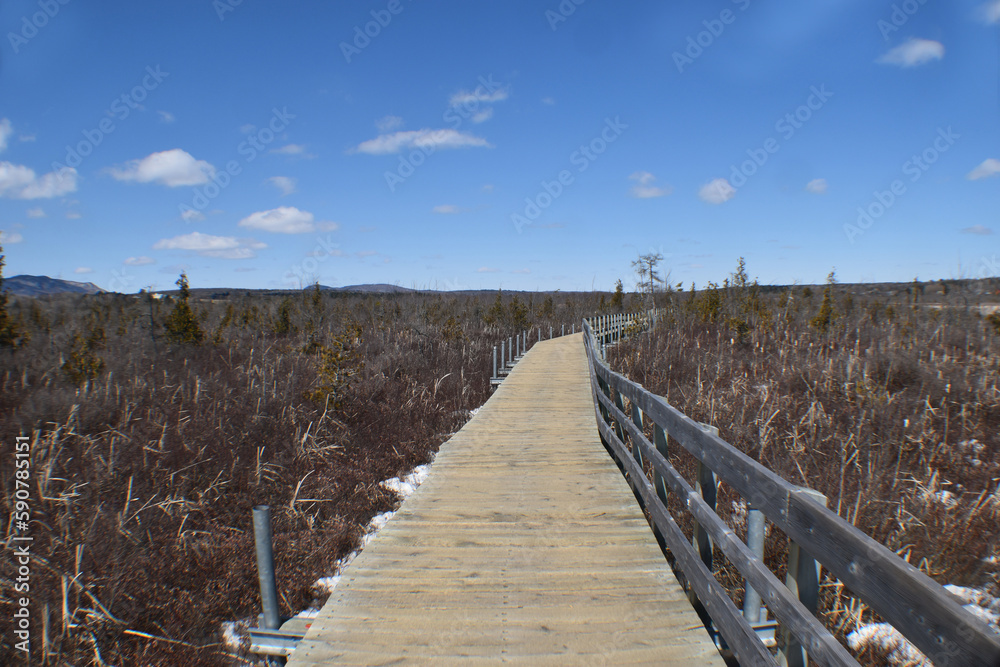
x: 894, y: 417
x: 144, y: 476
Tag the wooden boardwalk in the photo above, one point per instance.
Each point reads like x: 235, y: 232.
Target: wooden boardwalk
x: 524, y: 545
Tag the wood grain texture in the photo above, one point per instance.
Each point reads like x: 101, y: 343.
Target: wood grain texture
x: 525, y: 545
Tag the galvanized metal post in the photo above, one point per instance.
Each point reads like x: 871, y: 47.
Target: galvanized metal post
x: 550, y: 333
x: 510, y: 350
x: 755, y: 540
x: 503, y: 353
x: 539, y: 334
x: 574, y: 328
x: 265, y: 566
x: 495, y: 362
x: 563, y: 330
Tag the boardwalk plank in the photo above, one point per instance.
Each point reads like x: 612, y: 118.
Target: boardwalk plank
x: 524, y: 545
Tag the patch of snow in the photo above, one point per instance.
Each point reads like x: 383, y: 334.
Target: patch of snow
x: 887, y: 638
x: 327, y: 584
x: 409, y: 483
x: 980, y: 603
x: 231, y: 635
x: 901, y: 652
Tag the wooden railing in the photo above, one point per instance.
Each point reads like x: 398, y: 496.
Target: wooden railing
x: 923, y: 611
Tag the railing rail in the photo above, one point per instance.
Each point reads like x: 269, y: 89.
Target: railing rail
x: 922, y: 610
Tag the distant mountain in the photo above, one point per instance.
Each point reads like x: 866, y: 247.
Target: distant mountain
x: 42, y: 285
x: 382, y: 288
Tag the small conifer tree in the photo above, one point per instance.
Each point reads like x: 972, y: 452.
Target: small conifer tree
x: 182, y: 325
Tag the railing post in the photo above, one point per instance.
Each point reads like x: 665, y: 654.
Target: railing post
x: 503, y: 354
x: 755, y: 540
x: 539, y: 334
x: 802, y: 580
x: 637, y: 420
x: 574, y: 328
x: 706, y: 485
x: 510, y: 350
x: 495, y: 362
x: 265, y: 566
x: 660, y: 440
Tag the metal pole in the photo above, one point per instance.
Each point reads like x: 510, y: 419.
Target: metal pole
x: 563, y: 330
x: 550, y: 333
x: 494, y: 361
x: 755, y: 540
x: 539, y: 334
x: 503, y: 353
x: 510, y: 350
x: 265, y: 566
x: 574, y: 328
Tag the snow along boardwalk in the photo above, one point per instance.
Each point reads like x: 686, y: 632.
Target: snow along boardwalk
x: 525, y: 545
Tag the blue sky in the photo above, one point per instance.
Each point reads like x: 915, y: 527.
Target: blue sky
x: 524, y: 145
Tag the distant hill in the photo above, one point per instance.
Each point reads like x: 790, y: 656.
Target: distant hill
x: 43, y: 285
x: 382, y: 288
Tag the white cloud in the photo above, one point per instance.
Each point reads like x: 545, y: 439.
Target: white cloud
x: 522, y: 271
x: 388, y: 123
x: 26, y: 137
x: 548, y: 101
x: 817, y: 186
x: 166, y: 116
x: 73, y: 215
x: 283, y: 183
x: 988, y: 167
x: 248, y: 128
x: 466, y: 98
x: 6, y: 130
x: 717, y: 191
x: 486, y: 269
x: 192, y: 215
x: 20, y: 182
x: 10, y: 237
x: 281, y: 220
x: 224, y: 247
x: 644, y: 188
x: 980, y: 230
x: 488, y: 187
x: 913, y: 52
x: 173, y: 168
x: 291, y: 149
x: 36, y: 212
x: 426, y: 138
x: 990, y: 12
x: 83, y: 269
x: 139, y: 261
x: 447, y: 209
x: 483, y: 116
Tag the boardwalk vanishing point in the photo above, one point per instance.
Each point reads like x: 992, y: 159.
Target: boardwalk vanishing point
x: 524, y: 545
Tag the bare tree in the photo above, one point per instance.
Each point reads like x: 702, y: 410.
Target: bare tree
x: 645, y: 268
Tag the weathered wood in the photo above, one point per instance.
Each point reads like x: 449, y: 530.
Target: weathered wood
x: 911, y: 601
x: 524, y: 545
x: 781, y: 601
x: 740, y: 637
